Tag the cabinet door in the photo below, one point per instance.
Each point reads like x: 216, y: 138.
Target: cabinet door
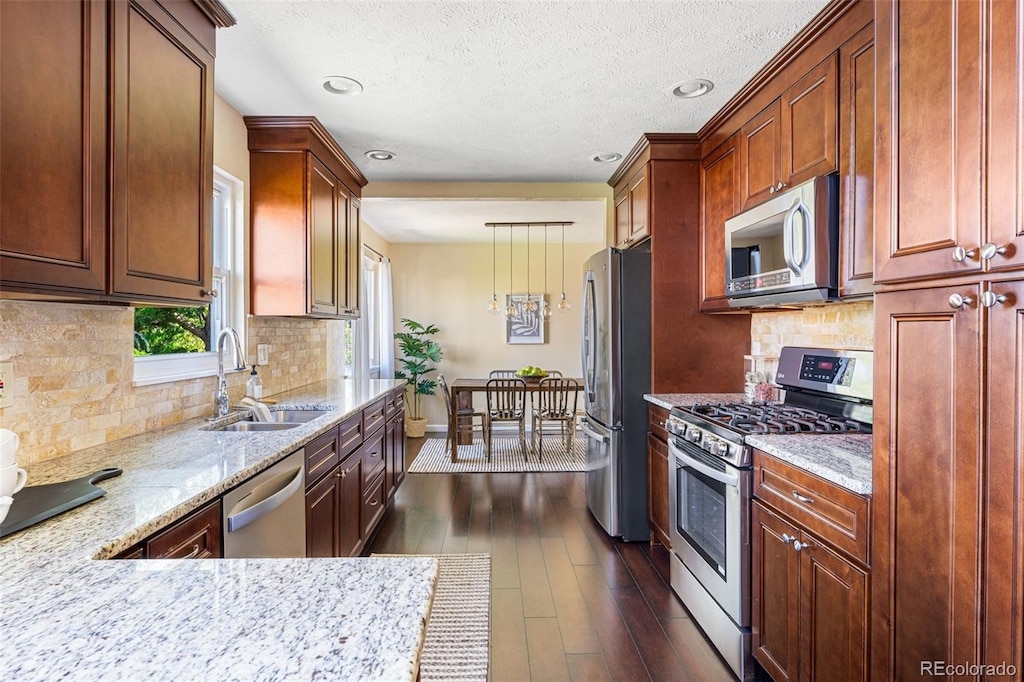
x: 53, y: 148
x: 857, y: 164
x: 350, y: 529
x: 657, y: 490
x: 390, y: 445
x: 399, y: 451
x: 639, y: 207
x: 808, y: 114
x: 162, y: 126
x: 324, y: 246
x: 1004, y: 172
x: 720, y: 200
x: 775, y: 594
x: 833, y: 616
x: 928, y: 153
x: 352, y: 259
x: 622, y: 228
x: 323, y: 516
x: 759, y: 152
x: 1004, y: 422
x: 927, y: 497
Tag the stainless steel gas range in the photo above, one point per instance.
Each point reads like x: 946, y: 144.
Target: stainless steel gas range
x: 710, y: 478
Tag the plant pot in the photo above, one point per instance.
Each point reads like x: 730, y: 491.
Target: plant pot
x: 415, y: 428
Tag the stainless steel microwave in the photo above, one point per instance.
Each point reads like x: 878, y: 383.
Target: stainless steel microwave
x: 786, y: 250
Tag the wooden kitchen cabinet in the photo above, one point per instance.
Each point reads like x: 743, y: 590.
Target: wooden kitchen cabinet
x: 632, y: 214
x: 856, y: 164
x: 945, y: 188
x: 323, y: 516
x: 107, y: 112
x: 350, y: 531
x: 394, y: 441
x: 720, y: 200
x: 305, y: 220
x: 793, y: 139
x: 809, y: 604
x: 658, y: 471
x: 197, y: 536
x: 947, y: 542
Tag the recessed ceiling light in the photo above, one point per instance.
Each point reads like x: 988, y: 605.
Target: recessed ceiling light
x: 608, y: 157
x: 341, y: 85
x: 695, y: 87
x: 380, y: 155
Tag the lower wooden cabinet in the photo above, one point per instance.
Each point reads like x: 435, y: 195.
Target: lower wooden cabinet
x: 374, y: 502
x: 809, y: 604
x: 657, y: 475
x: 197, y: 536
x: 350, y: 529
x: 323, y: 517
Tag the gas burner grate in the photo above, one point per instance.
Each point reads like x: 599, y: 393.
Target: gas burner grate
x: 762, y: 417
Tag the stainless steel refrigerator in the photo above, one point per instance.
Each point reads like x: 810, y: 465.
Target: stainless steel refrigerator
x: 616, y: 373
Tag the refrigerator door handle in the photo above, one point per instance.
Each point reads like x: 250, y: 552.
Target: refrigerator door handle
x: 589, y: 337
x: 600, y: 438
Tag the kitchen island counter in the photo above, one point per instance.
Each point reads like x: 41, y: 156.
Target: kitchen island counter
x: 65, y: 614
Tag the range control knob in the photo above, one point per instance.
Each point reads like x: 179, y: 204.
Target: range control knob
x: 693, y: 435
x: 719, y: 448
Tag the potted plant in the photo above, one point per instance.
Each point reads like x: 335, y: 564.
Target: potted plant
x: 418, y: 349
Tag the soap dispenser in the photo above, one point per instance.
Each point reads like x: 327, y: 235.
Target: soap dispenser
x: 254, y: 387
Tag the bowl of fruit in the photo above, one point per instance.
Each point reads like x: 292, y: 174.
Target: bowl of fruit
x: 531, y: 373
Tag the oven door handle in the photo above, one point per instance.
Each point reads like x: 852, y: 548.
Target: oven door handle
x: 697, y: 465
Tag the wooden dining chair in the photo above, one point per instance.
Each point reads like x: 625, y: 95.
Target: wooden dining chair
x: 461, y: 420
x: 502, y: 374
x: 506, y: 402
x: 554, y: 401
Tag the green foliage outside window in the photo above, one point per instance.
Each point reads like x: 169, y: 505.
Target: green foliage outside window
x: 161, y: 331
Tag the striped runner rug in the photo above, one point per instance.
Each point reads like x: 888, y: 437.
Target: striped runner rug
x: 456, y: 646
x: 506, y: 457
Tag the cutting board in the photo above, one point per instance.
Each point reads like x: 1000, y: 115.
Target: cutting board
x: 36, y: 503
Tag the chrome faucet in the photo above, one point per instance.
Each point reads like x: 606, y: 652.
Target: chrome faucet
x: 220, y: 398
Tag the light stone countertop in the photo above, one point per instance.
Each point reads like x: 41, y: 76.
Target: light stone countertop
x: 843, y: 459
x: 63, y: 613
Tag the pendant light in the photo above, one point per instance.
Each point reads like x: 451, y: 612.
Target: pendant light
x: 528, y: 304
x: 510, y: 311
x: 545, y: 309
x: 494, y: 307
x: 563, y: 303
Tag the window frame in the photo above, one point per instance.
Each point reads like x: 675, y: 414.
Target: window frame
x: 229, y: 282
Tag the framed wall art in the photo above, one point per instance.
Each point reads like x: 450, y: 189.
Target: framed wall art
x: 525, y: 326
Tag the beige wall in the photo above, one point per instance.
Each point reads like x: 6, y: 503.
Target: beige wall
x: 847, y: 325
x: 449, y: 285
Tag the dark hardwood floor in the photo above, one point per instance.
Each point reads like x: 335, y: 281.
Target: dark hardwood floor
x: 567, y: 602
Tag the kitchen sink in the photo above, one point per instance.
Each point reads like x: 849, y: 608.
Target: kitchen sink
x: 258, y: 426
x: 297, y: 416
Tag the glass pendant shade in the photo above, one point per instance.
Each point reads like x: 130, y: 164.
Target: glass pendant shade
x: 563, y: 303
x: 494, y: 307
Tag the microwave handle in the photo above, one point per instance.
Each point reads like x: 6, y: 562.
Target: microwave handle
x: 787, y: 237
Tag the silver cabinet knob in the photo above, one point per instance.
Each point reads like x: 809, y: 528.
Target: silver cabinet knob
x: 212, y: 293
x: 989, y: 251
x: 787, y: 539
x: 991, y: 298
x: 781, y: 186
x: 772, y: 190
x: 956, y: 301
x: 960, y: 254
x: 797, y: 545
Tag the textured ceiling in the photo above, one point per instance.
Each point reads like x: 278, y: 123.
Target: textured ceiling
x: 497, y: 90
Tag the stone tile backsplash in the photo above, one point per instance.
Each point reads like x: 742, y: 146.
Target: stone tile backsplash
x: 73, y: 369
x: 846, y: 325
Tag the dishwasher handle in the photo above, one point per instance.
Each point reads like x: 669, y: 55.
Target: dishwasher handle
x: 264, y: 498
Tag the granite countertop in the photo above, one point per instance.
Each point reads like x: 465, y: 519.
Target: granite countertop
x: 843, y: 459
x: 65, y: 614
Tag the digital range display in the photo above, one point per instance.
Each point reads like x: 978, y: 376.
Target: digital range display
x: 827, y: 370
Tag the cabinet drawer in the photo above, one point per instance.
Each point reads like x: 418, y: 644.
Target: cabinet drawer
x: 395, y: 404
x: 197, y: 536
x: 373, y: 505
x: 321, y: 456
x: 656, y: 416
x: 830, y: 512
x: 350, y: 434
x: 373, y: 455
x: 373, y: 417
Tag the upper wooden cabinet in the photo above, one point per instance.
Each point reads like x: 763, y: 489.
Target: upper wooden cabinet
x: 632, y: 210
x: 947, y: 200
x: 99, y: 177
x: 794, y: 138
x: 720, y: 200
x: 304, y: 200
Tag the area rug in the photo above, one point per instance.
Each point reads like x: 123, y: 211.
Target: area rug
x: 456, y: 646
x: 506, y: 457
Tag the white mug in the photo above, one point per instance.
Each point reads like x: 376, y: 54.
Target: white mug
x: 8, y: 447
x: 12, y: 479
x: 5, y: 506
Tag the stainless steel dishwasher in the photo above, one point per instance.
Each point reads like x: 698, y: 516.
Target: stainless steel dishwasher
x: 266, y: 515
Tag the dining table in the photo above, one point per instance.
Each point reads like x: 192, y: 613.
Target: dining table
x: 462, y: 397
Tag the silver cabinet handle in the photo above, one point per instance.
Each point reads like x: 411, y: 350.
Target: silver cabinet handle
x: 801, y: 498
x: 956, y: 301
x: 787, y: 539
x: 990, y: 250
x: 797, y: 545
x: 264, y: 498
x: 193, y: 554
x: 960, y: 254
x: 212, y: 293
x: 991, y: 298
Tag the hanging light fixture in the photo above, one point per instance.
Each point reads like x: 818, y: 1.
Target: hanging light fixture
x: 563, y: 303
x: 511, y: 310
x: 545, y: 309
x: 528, y: 304
x: 494, y: 307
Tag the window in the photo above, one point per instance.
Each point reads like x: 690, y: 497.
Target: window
x: 177, y: 343
x: 371, y: 314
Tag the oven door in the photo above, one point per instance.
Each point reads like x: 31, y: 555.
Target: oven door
x: 710, y: 525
